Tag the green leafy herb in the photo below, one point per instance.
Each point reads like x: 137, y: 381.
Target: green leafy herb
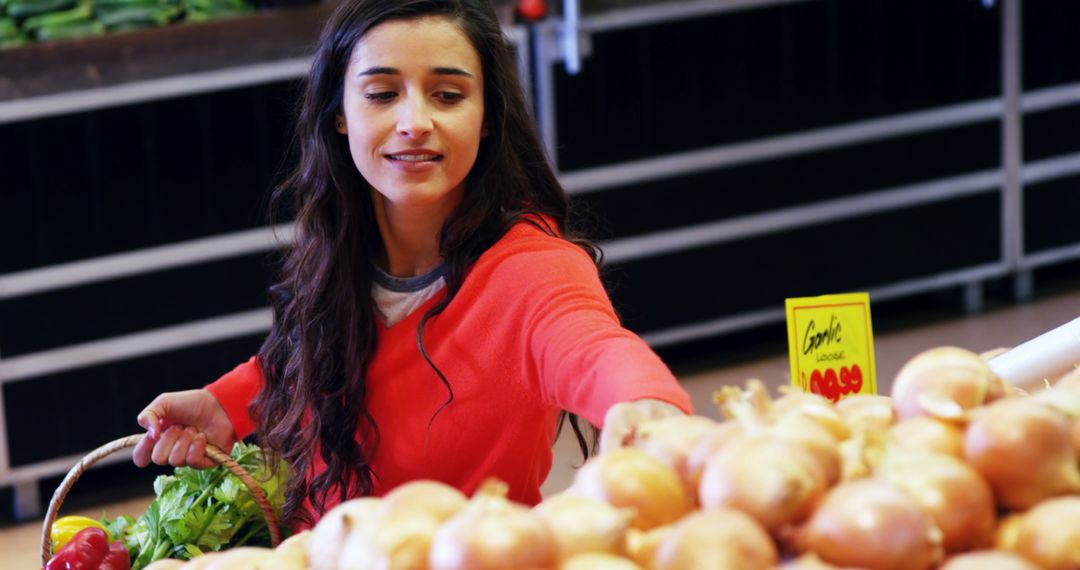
x: 203, y: 510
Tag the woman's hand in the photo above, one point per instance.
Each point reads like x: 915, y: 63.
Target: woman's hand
x: 178, y: 426
x: 622, y: 419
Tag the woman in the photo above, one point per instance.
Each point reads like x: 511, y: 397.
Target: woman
x: 435, y: 314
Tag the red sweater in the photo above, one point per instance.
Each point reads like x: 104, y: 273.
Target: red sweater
x: 531, y: 332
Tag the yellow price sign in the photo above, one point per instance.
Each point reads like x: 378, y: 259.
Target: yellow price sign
x: 831, y: 344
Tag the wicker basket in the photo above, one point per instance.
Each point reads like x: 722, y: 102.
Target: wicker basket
x: 215, y: 454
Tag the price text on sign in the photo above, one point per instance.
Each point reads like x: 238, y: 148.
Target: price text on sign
x: 831, y: 345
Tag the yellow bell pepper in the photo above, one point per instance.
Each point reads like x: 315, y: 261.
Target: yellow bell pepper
x: 66, y: 527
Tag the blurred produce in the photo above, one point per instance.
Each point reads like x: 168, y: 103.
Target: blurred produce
x: 958, y: 471
x: 23, y: 21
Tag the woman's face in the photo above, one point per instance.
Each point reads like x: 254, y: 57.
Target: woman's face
x: 413, y: 111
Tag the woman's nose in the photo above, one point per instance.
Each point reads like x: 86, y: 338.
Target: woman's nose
x: 414, y: 118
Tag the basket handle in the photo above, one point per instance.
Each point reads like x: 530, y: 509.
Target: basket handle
x: 217, y: 455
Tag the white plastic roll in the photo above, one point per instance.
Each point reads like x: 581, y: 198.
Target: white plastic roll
x: 1045, y: 357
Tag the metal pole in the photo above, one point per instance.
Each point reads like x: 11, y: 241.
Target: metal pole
x: 1012, y: 146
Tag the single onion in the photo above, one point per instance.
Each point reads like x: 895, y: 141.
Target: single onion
x: 398, y: 539
x: 672, y: 440
x: 439, y: 500
x: 1023, y: 448
x: 773, y: 480
x: 921, y: 433
x: 1007, y: 531
x: 944, y: 382
x: 597, y: 561
x: 239, y: 558
x: 709, y: 445
x: 492, y: 532
x: 808, y: 562
x: 988, y: 560
x: 814, y: 439
x: 815, y: 407
x: 720, y: 538
x: 330, y: 534
x: 867, y: 411
x: 1065, y: 398
x: 629, y: 477
x: 641, y: 545
x: 869, y: 523
x: 1050, y: 534
x: 959, y: 500
x: 750, y: 409
x: 582, y: 525
x: 291, y: 553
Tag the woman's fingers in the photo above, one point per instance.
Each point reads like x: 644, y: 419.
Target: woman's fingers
x: 163, y: 447
x: 196, y: 455
x: 141, y: 454
x: 178, y: 454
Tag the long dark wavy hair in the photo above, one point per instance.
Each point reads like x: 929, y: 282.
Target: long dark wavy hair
x: 312, y: 405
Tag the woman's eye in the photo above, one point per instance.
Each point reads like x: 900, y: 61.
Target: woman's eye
x: 449, y: 96
x: 380, y: 96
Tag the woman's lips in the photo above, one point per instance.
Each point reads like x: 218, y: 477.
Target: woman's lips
x: 419, y: 160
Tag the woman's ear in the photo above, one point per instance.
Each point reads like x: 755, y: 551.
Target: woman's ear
x: 340, y: 125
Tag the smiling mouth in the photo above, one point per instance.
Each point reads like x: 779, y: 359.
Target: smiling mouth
x: 414, y: 157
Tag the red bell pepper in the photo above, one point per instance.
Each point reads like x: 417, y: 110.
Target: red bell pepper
x: 89, y: 549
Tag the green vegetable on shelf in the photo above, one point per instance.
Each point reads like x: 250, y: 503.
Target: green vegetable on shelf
x: 80, y: 14
x: 71, y: 30
x: 8, y: 30
x: 203, y: 10
x: 134, y: 17
x: 19, y: 9
x: 202, y: 510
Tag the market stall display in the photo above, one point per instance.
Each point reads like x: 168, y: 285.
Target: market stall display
x: 955, y: 469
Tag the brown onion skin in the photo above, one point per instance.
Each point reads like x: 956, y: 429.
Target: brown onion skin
x: 953, y: 373
x: 672, y: 441
x: 719, y: 538
x: 809, y: 562
x: 773, y: 480
x: 597, y: 561
x: 583, y: 525
x: 1024, y: 450
x: 869, y: 523
x: 709, y: 445
x: 988, y: 560
x: 491, y: 532
x: 437, y: 499
x: 631, y: 478
x: 924, y: 433
x: 814, y: 439
x: 956, y: 496
x: 815, y: 407
x: 867, y: 411
x: 1049, y: 534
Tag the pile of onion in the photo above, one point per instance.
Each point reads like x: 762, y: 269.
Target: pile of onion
x: 944, y: 382
x: 582, y: 525
x: 1023, y: 448
x: 491, y: 532
x: 1049, y: 534
x: 630, y: 478
x: 672, y: 440
x: 719, y: 538
x: 956, y: 497
x: 870, y: 523
x: 393, y: 532
x: 867, y: 411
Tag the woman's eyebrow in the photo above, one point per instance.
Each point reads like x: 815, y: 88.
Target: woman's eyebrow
x: 379, y: 70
